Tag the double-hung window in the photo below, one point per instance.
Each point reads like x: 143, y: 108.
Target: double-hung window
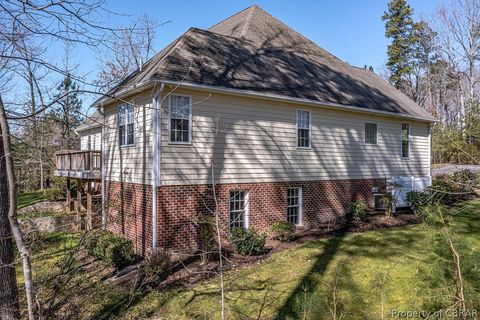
x: 304, y: 132
x: 126, y: 124
x: 238, y: 207
x: 370, y: 133
x: 180, y: 119
x: 405, y: 140
x: 294, y: 205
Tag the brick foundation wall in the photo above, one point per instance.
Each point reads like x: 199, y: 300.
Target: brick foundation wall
x: 179, y: 207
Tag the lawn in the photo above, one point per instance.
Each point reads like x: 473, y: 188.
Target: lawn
x: 296, y: 283
x: 26, y: 199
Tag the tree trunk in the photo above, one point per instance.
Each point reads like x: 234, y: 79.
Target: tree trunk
x: 9, y: 307
x: 12, y: 212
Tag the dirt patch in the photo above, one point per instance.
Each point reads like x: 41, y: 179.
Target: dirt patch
x: 191, y: 271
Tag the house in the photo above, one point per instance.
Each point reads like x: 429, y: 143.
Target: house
x: 254, y: 121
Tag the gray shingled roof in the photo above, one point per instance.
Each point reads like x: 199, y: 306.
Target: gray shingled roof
x: 253, y: 51
x: 92, y: 121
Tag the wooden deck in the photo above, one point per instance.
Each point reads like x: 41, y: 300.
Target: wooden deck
x: 79, y: 164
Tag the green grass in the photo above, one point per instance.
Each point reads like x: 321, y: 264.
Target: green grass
x: 297, y: 283
x: 292, y: 284
x: 26, y: 199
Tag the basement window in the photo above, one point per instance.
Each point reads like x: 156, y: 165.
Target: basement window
x: 294, y: 205
x: 238, y: 208
x: 180, y: 119
x: 126, y: 124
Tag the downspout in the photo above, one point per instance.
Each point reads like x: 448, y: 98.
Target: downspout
x: 102, y: 155
x: 156, y: 165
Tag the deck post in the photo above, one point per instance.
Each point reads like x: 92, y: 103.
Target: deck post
x: 69, y: 196
x: 79, y: 204
x: 89, y: 206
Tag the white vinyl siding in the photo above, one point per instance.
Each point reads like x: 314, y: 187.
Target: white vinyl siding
x: 134, y: 163
x: 91, y: 139
x: 371, y: 133
x: 249, y: 140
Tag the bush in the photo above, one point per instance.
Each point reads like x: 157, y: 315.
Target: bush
x: 157, y: 263
x: 465, y: 180
x: 248, y: 242
x: 358, y: 210
x: 91, y: 240
x: 419, y: 199
x: 443, y: 190
x: 112, y: 249
x: 54, y: 194
x: 283, y: 231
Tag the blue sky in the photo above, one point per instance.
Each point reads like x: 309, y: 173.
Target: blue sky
x: 351, y: 30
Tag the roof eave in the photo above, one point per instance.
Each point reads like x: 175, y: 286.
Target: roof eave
x: 276, y: 97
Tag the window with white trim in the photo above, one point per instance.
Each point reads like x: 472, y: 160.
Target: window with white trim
x: 126, y: 124
x: 294, y: 205
x: 405, y: 140
x: 371, y: 133
x: 303, y: 129
x: 238, y: 205
x: 180, y: 119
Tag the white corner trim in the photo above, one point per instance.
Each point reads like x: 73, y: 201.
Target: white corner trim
x: 156, y: 166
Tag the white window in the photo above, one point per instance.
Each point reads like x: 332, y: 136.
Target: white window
x: 304, y: 133
x: 370, y: 133
x: 238, y: 207
x: 294, y: 205
x: 126, y: 124
x: 405, y: 140
x: 180, y: 119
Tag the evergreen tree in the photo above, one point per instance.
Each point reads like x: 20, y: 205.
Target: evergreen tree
x: 68, y: 113
x: 400, y: 27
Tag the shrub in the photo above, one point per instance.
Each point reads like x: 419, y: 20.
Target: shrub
x: 248, y: 242
x: 465, y: 180
x: 419, y: 199
x: 112, y: 249
x: 207, y: 236
x: 283, y: 231
x: 443, y: 190
x: 54, y: 194
x: 157, y: 263
x: 91, y: 240
x: 358, y: 210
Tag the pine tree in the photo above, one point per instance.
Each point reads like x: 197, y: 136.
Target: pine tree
x: 68, y: 113
x: 400, y: 27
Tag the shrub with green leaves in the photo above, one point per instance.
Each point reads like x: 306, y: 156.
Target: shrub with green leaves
x: 112, y: 249
x: 466, y: 181
x: 248, y: 242
x: 54, y: 194
x: 283, y: 231
x: 419, y: 199
x: 443, y: 190
x: 359, y: 211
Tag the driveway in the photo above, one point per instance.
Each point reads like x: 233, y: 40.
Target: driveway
x: 452, y: 168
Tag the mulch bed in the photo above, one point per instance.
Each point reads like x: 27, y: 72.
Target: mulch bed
x: 191, y: 271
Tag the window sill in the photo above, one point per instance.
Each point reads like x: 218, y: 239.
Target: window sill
x: 180, y: 143
x: 304, y: 148
x: 127, y: 146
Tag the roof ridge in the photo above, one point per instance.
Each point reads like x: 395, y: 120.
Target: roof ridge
x: 237, y: 13
x: 248, y: 20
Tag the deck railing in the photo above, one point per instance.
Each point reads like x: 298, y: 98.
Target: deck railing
x: 79, y: 163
